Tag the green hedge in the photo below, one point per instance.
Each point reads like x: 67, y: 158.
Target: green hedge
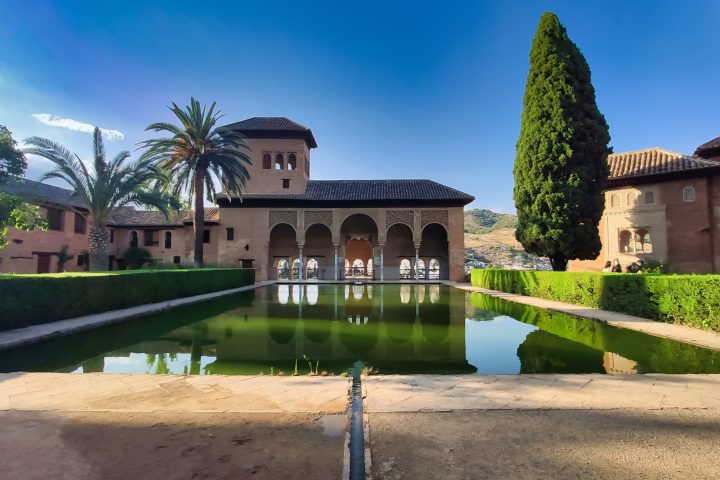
x: 34, y: 299
x: 685, y: 299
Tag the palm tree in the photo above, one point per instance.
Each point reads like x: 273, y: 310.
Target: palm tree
x: 197, y: 156
x: 104, y: 187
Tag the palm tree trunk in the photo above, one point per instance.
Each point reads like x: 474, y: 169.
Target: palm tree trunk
x: 199, y: 219
x: 98, y: 244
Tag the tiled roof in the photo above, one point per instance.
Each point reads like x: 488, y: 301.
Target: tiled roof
x: 129, y: 217
x: 374, y: 190
x: 36, y: 192
x: 711, y: 148
x: 252, y: 127
x: 653, y: 161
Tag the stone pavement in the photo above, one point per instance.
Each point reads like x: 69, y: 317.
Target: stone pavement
x: 682, y: 333
x: 163, y: 393
x: 36, y: 333
x: 440, y: 393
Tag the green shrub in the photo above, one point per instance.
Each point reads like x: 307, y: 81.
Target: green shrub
x: 135, y: 257
x: 34, y: 299
x: 684, y: 299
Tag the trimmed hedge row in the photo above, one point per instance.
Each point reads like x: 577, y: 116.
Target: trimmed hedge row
x: 684, y: 299
x: 35, y: 299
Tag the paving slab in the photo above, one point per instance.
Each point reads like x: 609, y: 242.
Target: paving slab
x: 682, y: 333
x: 415, y: 393
x: 157, y: 393
x: 530, y: 444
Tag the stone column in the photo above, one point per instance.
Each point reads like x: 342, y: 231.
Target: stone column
x: 417, y: 260
x: 300, y: 257
x: 335, y: 263
x: 382, y: 262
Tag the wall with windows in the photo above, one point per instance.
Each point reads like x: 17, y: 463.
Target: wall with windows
x: 34, y: 252
x: 279, y: 165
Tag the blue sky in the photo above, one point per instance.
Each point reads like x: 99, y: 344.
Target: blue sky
x: 390, y: 89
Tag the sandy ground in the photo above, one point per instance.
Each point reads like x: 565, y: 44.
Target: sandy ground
x: 584, y: 444
x: 137, y: 446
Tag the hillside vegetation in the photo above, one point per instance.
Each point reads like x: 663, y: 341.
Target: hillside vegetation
x: 480, y: 221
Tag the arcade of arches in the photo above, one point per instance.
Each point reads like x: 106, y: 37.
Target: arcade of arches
x: 359, y: 249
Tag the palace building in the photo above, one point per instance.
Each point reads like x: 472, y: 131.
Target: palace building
x: 662, y: 206
x: 286, y: 225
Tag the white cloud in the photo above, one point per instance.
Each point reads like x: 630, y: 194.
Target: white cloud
x: 55, y: 121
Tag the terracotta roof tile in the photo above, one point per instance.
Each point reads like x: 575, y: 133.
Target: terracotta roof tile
x: 256, y: 126
x: 129, y: 217
x: 653, y: 161
x: 708, y: 149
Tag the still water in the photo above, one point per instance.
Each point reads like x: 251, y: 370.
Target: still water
x: 393, y: 329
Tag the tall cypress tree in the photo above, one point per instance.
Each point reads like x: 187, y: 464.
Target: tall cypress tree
x: 561, y: 163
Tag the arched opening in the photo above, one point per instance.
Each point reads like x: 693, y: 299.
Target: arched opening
x: 295, y: 272
x: 319, y: 246
x: 292, y: 162
x: 643, y: 242
x: 624, y: 238
x: 312, y: 269
x: 688, y: 194
x: 359, y: 235
x: 434, y: 269
x: 649, y: 198
x: 168, y: 240
x: 420, y: 269
x: 405, y: 268
x: 266, y: 161
x: 133, y: 239
x: 434, y: 244
x: 279, y: 162
x: 282, y: 248
x: 399, y: 247
x: 614, y: 200
x: 632, y: 199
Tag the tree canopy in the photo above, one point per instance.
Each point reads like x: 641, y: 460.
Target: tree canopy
x: 561, y: 163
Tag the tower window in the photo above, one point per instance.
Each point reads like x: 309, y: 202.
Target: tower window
x: 279, y: 162
x: 266, y: 161
x: 292, y: 162
x: 286, y: 183
x: 649, y: 198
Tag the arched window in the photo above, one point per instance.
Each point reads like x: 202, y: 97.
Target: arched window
x: 168, y: 240
x: 632, y: 199
x: 643, y: 243
x: 614, y: 200
x: 133, y: 239
x: 369, y: 267
x: 279, y: 162
x: 624, y: 241
x: 434, y: 270
x: 292, y: 162
x: 405, y: 268
x: 688, y: 194
x: 312, y: 268
x: 649, y: 198
x: 358, y: 267
x: 296, y: 268
x: 420, y: 268
x: 347, y: 267
x: 283, y: 269
x: 267, y: 161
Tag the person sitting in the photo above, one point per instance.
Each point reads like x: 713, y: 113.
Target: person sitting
x: 608, y: 267
x: 635, y: 267
x: 616, y: 267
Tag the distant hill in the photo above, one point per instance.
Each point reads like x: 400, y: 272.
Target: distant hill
x: 480, y: 220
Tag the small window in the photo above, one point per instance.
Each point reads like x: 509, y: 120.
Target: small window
x: 286, y: 183
x: 80, y: 223
x: 206, y: 236
x: 614, y: 200
x: 168, y: 239
x: 292, y: 162
x: 246, y: 263
x: 279, y: 162
x: 55, y: 219
x: 133, y: 239
x: 81, y: 260
x: 112, y: 236
x: 688, y: 194
x: 176, y: 259
x: 624, y: 241
x: 266, y: 161
x: 649, y: 198
x: 632, y: 199
x: 230, y: 234
x: 307, y: 167
x: 150, y: 238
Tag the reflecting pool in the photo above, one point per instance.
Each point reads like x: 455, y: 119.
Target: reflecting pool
x: 393, y: 329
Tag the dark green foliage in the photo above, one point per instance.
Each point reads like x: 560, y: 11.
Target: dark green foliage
x: 480, y: 220
x: 34, y: 299
x: 13, y: 211
x: 684, y: 299
x: 135, y: 257
x: 62, y: 258
x: 561, y: 164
